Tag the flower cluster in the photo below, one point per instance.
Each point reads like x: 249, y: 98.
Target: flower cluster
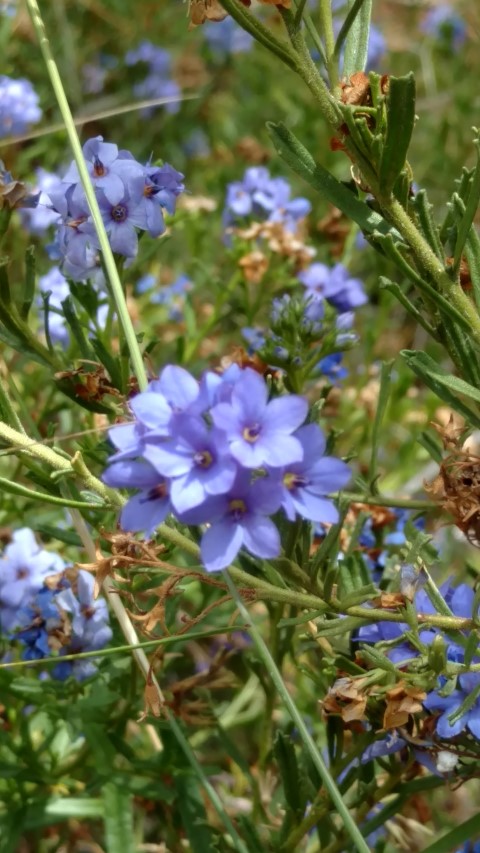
x: 263, y: 198
x: 298, y: 322
x: 158, y: 83
x: 19, y: 107
x: 131, y: 197
x: 172, y: 296
x: 220, y: 452
x: 44, y: 612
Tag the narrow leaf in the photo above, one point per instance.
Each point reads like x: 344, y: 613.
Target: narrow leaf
x: 467, y: 831
x: 400, y: 123
x: 443, y: 384
x: 301, y: 161
x: 356, y: 43
x: 118, y: 819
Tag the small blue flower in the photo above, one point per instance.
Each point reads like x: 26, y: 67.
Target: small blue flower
x: 447, y: 705
x: 19, y: 107
x: 39, y: 219
x: 305, y: 485
x: 445, y: 25
x: 158, y: 83
x: 226, y: 37
x: 264, y: 198
x: 150, y: 507
x: 260, y: 432
x: 331, y: 367
x: 23, y: 569
x: 335, y: 285
x: 239, y: 518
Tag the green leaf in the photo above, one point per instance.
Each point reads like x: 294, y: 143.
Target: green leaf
x: 393, y: 287
x: 443, y: 384
x: 193, y: 815
x: 467, y: 831
x: 428, y: 226
x: 472, y: 253
x: 55, y: 810
x: 301, y: 161
x: 29, y: 289
x: 286, y: 758
x: 384, y: 393
x: 467, y: 219
x: 400, y: 123
x: 78, y: 333
x: 118, y: 819
x: 356, y: 42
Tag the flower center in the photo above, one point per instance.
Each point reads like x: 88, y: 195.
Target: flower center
x: 99, y: 169
x: 237, y: 509
x: 21, y: 574
x: 157, y: 493
x: 251, y: 433
x: 293, y: 481
x: 149, y: 191
x: 75, y: 223
x: 119, y: 213
x: 203, y: 459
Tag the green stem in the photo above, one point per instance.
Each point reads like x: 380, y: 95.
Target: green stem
x: 297, y: 718
x: 326, y: 22
x: 115, y: 283
x: 431, y: 264
x: 18, y: 489
x: 382, y: 500
x: 148, y: 644
x: 259, y: 31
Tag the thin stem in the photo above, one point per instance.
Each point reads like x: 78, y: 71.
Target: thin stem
x: 326, y: 21
x: 297, y: 718
x: 383, y: 500
x: 116, y: 285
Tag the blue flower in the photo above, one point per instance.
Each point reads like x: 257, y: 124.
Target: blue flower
x: 19, y: 107
x: 445, y: 25
x: 226, y: 37
x: 335, y: 285
x: 123, y: 211
x: 158, y: 83
x: 331, y: 367
x: 239, y: 518
x: 305, y: 484
x: 150, y: 507
x: 40, y: 218
x: 23, y: 569
x: 55, y: 283
x: 448, y: 705
x: 260, y: 432
x: 196, y: 459
x: 90, y: 629
x: 264, y: 198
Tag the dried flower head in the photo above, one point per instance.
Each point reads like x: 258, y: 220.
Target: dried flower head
x: 457, y: 487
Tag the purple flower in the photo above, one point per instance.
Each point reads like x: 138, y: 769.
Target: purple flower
x: 76, y: 244
x: 158, y: 83
x: 305, y: 484
x: 467, y: 684
x: 40, y: 218
x: 260, y: 432
x: 162, y: 186
x: 445, y: 24
x: 55, y: 283
x: 335, y: 285
x: 173, y: 297
x: 123, y: 211
x: 331, y: 367
x: 175, y: 392
x: 265, y: 198
x: 90, y: 630
x: 226, y: 37
x: 239, y: 518
x: 24, y: 567
x: 196, y: 459
x: 151, y: 506
x: 19, y: 106
x: 108, y: 168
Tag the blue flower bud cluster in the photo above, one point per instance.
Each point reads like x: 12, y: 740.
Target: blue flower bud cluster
x: 132, y: 197
x: 220, y: 452
x: 47, y: 614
